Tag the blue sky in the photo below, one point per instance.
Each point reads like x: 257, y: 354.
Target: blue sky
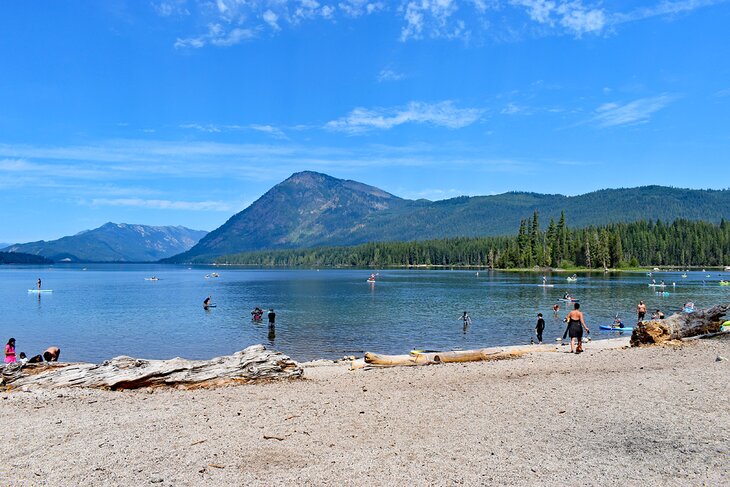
x: 167, y: 112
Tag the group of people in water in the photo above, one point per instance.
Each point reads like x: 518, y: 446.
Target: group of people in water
x: 51, y: 354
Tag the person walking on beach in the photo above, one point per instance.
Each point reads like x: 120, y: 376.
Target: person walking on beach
x: 466, y: 319
x: 539, y: 328
x: 10, y: 351
x: 640, y: 311
x: 576, y: 325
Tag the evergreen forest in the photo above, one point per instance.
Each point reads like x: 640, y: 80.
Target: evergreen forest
x: 683, y: 243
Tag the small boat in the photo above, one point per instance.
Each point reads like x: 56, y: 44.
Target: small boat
x: 684, y: 275
x: 725, y: 283
x: 153, y: 278
x: 214, y: 274
x: 615, y: 328
x: 571, y: 279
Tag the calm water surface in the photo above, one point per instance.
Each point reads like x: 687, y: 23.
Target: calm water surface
x: 99, y: 311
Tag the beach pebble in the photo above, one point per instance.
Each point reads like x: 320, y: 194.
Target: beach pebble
x: 156, y: 480
x: 720, y: 358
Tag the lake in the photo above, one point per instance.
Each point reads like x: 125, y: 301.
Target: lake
x: 98, y: 311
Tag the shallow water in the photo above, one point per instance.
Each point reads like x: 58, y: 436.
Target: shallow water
x: 98, y: 311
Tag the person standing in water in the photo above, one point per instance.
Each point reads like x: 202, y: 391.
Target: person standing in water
x: 539, y: 328
x: 466, y: 319
x: 206, y: 303
x: 39, y: 283
x: 640, y: 311
x: 576, y: 325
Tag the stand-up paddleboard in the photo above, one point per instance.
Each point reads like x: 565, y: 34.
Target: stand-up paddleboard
x: 615, y: 328
x: 40, y: 290
x: 569, y: 300
x: 657, y: 285
x: 546, y: 285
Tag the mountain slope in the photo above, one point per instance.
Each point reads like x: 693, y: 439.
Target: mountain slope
x: 311, y: 209
x: 305, y: 210
x: 114, y: 242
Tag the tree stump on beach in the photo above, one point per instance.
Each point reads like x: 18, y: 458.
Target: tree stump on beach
x: 679, y: 325
x: 253, y: 363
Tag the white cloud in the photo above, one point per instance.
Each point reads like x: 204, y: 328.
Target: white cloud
x: 208, y: 128
x: 510, y: 109
x: 443, y: 114
x: 356, y: 8
x: 390, y: 75
x: 633, y: 112
x: 272, y: 19
x: 164, y: 204
x: 572, y: 15
x: 664, y: 8
x: 217, y: 35
x: 231, y: 22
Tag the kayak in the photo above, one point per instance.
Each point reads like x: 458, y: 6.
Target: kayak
x: 40, y: 290
x: 615, y: 328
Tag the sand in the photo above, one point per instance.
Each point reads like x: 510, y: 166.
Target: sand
x: 649, y: 416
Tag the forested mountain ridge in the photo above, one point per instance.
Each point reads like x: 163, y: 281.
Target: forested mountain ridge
x: 313, y: 210
x: 680, y: 243
x: 115, y: 242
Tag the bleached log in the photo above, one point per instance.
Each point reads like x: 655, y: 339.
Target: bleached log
x: 499, y: 353
x: 253, y: 363
x: 678, y: 326
x: 391, y: 360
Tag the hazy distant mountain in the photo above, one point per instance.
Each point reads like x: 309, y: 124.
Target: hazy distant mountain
x: 311, y: 209
x: 115, y: 242
x: 3, y: 245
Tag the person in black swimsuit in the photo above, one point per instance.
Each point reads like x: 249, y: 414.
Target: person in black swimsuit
x: 576, y: 325
x: 540, y: 327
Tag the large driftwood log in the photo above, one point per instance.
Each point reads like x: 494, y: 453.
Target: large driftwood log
x: 448, y: 357
x: 255, y: 362
x: 678, y: 326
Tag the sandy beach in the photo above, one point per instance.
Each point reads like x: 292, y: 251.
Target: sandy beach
x: 611, y: 416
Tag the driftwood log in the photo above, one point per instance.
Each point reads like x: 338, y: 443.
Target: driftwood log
x: 253, y: 363
x: 678, y: 326
x: 415, y: 358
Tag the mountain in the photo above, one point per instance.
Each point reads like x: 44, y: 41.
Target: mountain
x: 115, y: 242
x: 311, y: 209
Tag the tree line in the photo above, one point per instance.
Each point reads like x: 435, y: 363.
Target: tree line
x: 644, y: 243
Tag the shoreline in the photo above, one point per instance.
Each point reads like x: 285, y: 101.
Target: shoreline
x: 610, y: 416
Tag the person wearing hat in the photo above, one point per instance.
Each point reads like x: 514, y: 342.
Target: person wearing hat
x: 539, y: 327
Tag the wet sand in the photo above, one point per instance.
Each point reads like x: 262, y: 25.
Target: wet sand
x: 610, y: 416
